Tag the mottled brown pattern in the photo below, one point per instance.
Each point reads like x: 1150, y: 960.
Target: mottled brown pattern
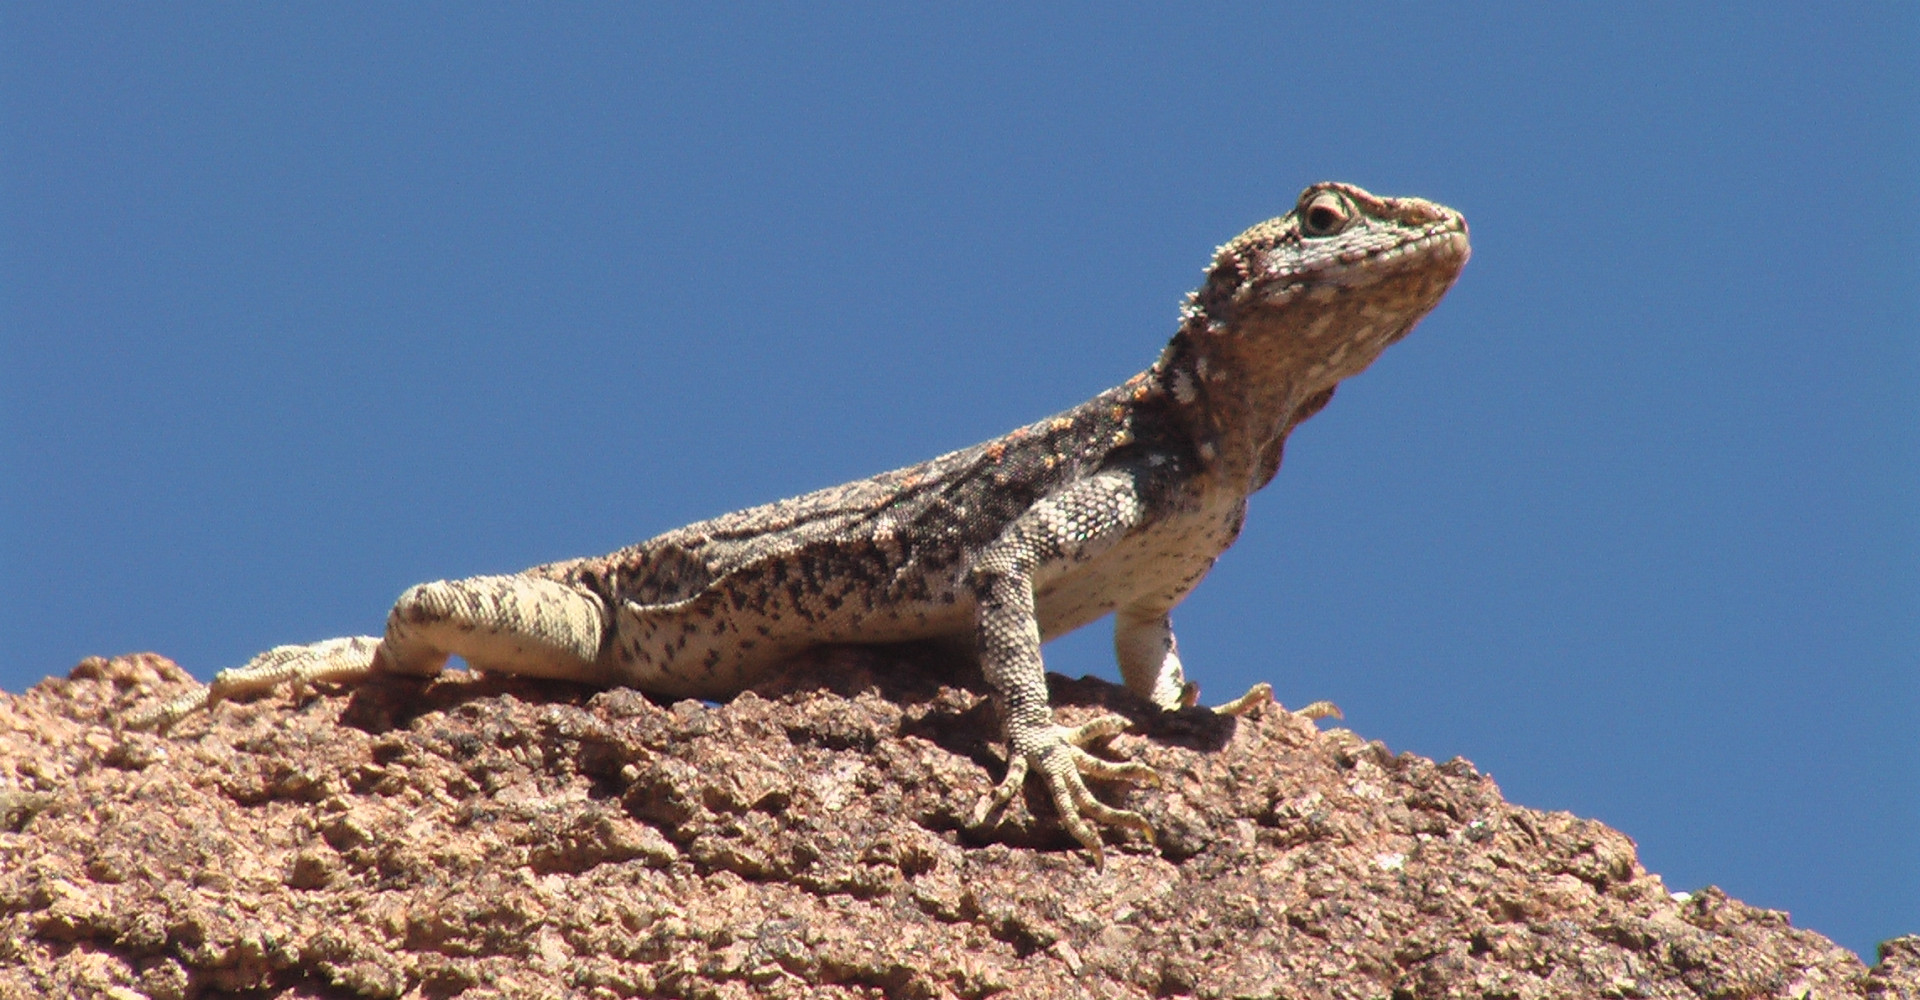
x: 1120, y: 504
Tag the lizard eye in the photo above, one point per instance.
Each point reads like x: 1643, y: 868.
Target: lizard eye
x: 1325, y: 214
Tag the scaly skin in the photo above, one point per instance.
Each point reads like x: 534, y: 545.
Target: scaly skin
x: 1119, y: 505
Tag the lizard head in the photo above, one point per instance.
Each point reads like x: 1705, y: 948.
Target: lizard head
x: 1331, y: 284
x: 1295, y: 304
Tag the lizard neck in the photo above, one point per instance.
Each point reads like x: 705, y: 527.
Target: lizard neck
x: 1292, y: 306
x: 1237, y: 406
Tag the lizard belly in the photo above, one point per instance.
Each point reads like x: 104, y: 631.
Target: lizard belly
x: 735, y: 636
x: 738, y: 631
x: 1156, y: 566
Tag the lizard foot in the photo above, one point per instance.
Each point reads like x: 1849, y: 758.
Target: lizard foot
x: 1061, y: 762
x: 343, y: 659
x: 1256, y: 696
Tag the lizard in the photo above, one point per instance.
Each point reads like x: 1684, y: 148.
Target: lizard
x: 1119, y: 505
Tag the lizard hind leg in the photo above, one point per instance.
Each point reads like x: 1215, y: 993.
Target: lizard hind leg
x: 516, y: 624
x: 1149, y: 657
x: 513, y: 624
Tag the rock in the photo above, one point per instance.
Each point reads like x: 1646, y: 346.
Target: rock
x: 485, y: 836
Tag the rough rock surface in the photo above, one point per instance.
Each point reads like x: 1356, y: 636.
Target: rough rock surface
x: 489, y: 837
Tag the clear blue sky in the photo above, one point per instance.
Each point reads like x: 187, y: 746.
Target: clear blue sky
x: 306, y: 303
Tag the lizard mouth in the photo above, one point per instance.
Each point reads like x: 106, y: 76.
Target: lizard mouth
x: 1367, y: 257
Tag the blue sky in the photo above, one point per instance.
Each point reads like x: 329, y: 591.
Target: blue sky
x: 303, y: 304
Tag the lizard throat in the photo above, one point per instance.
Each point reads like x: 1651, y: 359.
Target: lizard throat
x: 1276, y: 328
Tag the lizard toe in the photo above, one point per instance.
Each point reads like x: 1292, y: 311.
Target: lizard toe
x: 1320, y: 710
x: 1004, y: 792
x: 1256, y: 696
x: 1077, y: 805
x: 1088, y: 733
x: 1063, y: 768
x: 1113, y: 770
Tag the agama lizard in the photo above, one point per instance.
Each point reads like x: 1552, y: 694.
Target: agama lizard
x: 1119, y: 505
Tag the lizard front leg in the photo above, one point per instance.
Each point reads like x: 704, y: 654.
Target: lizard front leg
x: 1150, y: 665
x: 515, y: 624
x: 1069, y: 527
x: 1149, y: 657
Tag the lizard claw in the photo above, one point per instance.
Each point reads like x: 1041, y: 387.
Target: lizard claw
x: 1256, y: 696
x: 1321, y: 709
x: 1062, y: 762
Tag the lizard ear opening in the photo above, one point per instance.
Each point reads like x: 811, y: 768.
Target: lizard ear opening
x: 1325, y: 214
